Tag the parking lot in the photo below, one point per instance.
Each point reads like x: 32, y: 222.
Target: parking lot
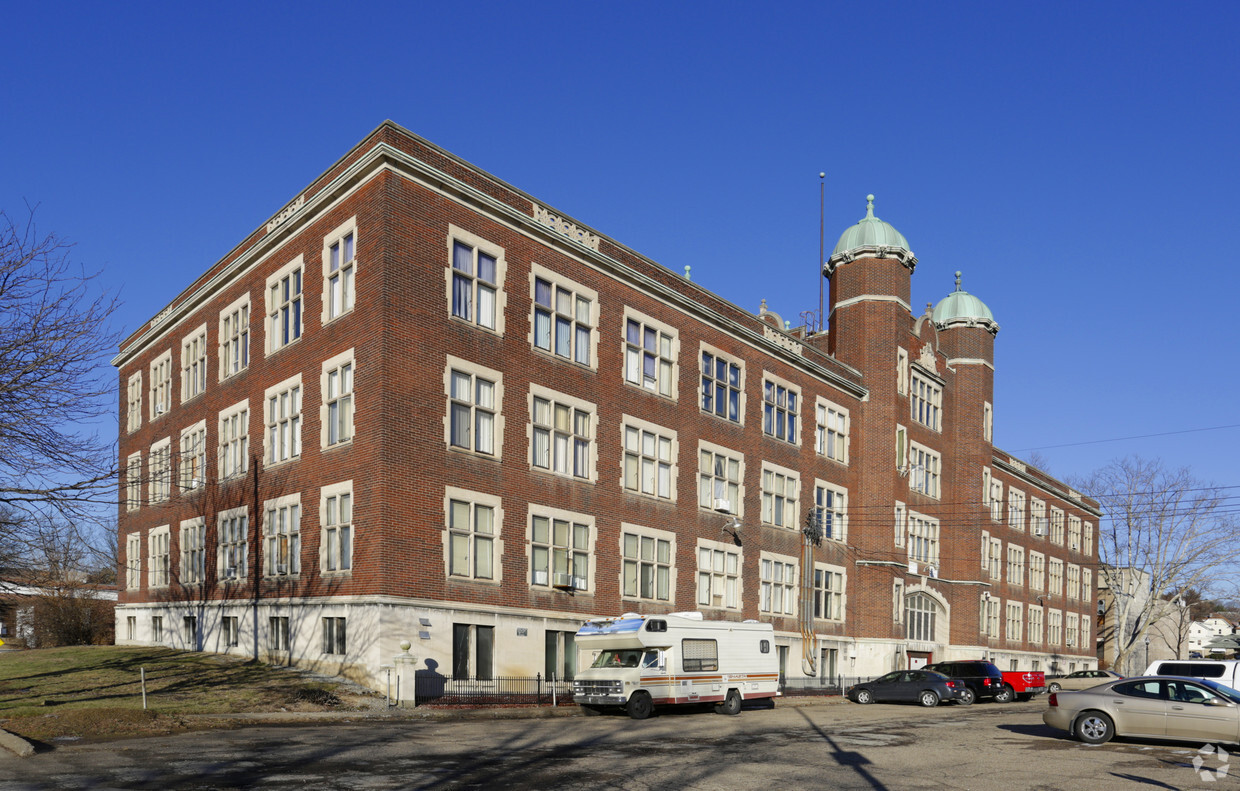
x: 837, y: 745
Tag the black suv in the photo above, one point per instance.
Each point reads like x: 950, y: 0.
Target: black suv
x: 982, y: 678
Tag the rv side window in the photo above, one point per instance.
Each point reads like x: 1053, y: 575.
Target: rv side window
x: 656, y: 626
x: 765, y: 646
x: 700, y: 654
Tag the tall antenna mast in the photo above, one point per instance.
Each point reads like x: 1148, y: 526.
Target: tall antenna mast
x: 821, y: 223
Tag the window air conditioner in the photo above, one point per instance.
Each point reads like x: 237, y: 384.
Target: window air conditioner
x: 912, y: 567
x: 564, y: 581
x: 723, y: 506
x: 230, y: 572
x: 579, y: 583
x: 540, y: 577
x: 1039, y: 530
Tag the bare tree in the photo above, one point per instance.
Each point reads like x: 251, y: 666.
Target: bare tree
x: 1163, y: 532
x: 56, y: 453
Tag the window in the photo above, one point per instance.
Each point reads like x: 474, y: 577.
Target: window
x: 925, y: 400
x: 919, y: 617
x: 189, y: 631
x: 1037, y: 517
x: 336, y: 513
x: 284, y: 421
x: 649, y: 354
x: 1087, y: 545
x: 234, y: 440
x: 1074, y: 581
x: 988, y: 422
x: 161, y: 384
x: 780, y: 407
x: 562, y: 438
x: 194, y: 364
x: 133, y: 402
x: 1056, y: 525
x: 474, y: 280
x: 157, y: 628
x: 902, y: 370
x: 565, y: 317
x: 133, y: 481
x: 994, y: 497
x: 699, y: 655
x: 559, y: 655
x: 1016, y: 509
x: 1070, y: 630
x: 1087, y: 584
x: 277, y: 633
x: 832, y: 435
x: 777, y: 585
x: 994, y: 557
x: 560, y: 549
x: 1054, y: 627
x: 1015, y: 564
x: 1086, y: 622
x: 230, y: 629
x: 333, y: 636
x: 1037, y: 571
x: 474, y: 396
x: 473, y: 520
x: 339, y: 265
x: 899, y: 522
x: 336, y: 413
x: 923, y: 475
x: 193, y: 463
x: 1056, y: 576
x: 193, y: 550
x: 158, y: 567
x: 1035, y: 624
x: 722, y: 386
x: 649, y: 459
x: 831, y: 511
x: 481, y: 639
x: 923, y: 539
x: 282, y: 534
x: 990, y: 615
x: 133, y: 561
x: 646, y: 565
x: 284, y: 324
x: 232, y: 531
x: 720, y: 472
x: 828, y: 592
x: 1074, y: 533
x: 131, y: 627
x: 235, y: 338
x: 719, y: 575
x: 780, y: 491
x: 161, y: 470
x: 1014, y: 621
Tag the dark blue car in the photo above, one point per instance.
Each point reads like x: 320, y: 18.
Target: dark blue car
x: 924, y: 687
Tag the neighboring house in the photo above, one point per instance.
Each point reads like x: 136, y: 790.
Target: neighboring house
x: 1202, y: 632
x: 420, y: 404
x: 22, y: 606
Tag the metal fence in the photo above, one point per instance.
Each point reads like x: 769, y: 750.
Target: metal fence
x: 498, y: 691
x: 833, y: 685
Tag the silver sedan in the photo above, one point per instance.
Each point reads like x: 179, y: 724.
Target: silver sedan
x: 1154, y: 707
x: 1081, y: 679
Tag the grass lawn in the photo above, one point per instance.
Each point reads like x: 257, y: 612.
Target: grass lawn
x: 96, y: 692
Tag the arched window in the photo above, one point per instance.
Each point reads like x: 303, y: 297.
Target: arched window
x: 919, y: 612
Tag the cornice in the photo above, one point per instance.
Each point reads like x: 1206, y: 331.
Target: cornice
x: 1067, y: 495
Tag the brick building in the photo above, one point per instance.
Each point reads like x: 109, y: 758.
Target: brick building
x: 418, y: 404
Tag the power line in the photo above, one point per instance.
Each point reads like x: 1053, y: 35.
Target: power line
x: 1125, y: 439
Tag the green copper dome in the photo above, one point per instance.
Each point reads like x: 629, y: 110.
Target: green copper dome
x: 870, y: 238
x: 960, y: 308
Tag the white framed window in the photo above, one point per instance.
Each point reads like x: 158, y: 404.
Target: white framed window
x: 158, y: 564
x: 1074, y: 582
x: 336, y: 528
x: 1035, y: 624
x: 650, y: 454
x: 923, y: 539
x: 897, y: 600
x: 1055, y: 576
x: 1070, y: 630
x: 472, y: 540
x: 474, y: 422
x: 994, y: 558
x: 920, y: 614
x: 232, y: 530
x: 1037, y: 518
x: 925, y: 400
x: 1037, y: 571
x: 284, y: 305
x: 194, y: 364
x: 161, y: 384
x: 832, y: 432
x: 157, y: 628
x: 133, y: 481
x: 1016, y: 509
x: 829, y: 592
x: 777, y: 584
x: 1087, y: 579
x: 193, y: 460
x: 1087, y: 539
x: 283, y: 417
x: 565, y: 317
x: 235, y: 338
x: 923, y: 474
x: 718, y: 575
x: 230, y: 631
x: 723, y: 385
x: 994, y: 495
x: 234, y: 440
x: 1054, y: 627
x: 651, y: 349
x: 133, y: 402
x: 1056, y: 526
x: 1015, y: 621
x: 902, y: 370
x: 339, y: 270
x: 193, y: 550
x: 1086, y: 631
x: 1074, y: 533
x: 160, y: 471
x: 990, y: 615
x: 721, y: 476
x: 337, y: 410
x: 831, y: 511
x: 282, y: 536
x: 561, y: 549
x: 988, y: 422
x: 781, y: 408
x: 647, y: 570
x: 334, y: 641
x: 562, y: 434
x: 133, y: 561
x: 781, y: 490
x: 278, y: 633
x: 475, y: 280
x: 1015, y: 564
x: 899, y: 520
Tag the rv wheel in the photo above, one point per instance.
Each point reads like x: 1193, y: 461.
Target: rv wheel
x: 640, y: 705
x: 731, y: 704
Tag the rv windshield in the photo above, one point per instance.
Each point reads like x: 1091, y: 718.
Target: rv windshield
x: 626, y: 657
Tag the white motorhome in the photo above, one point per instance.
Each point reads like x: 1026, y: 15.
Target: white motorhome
x: 1224, y: 671
x: 640, y: 661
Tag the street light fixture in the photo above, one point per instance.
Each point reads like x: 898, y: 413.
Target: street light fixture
x: 1147, y: 650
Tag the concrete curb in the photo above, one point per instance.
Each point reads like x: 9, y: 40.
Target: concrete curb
x: 16, y: 744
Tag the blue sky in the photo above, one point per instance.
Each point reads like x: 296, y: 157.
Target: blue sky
x: 1077, y: 161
